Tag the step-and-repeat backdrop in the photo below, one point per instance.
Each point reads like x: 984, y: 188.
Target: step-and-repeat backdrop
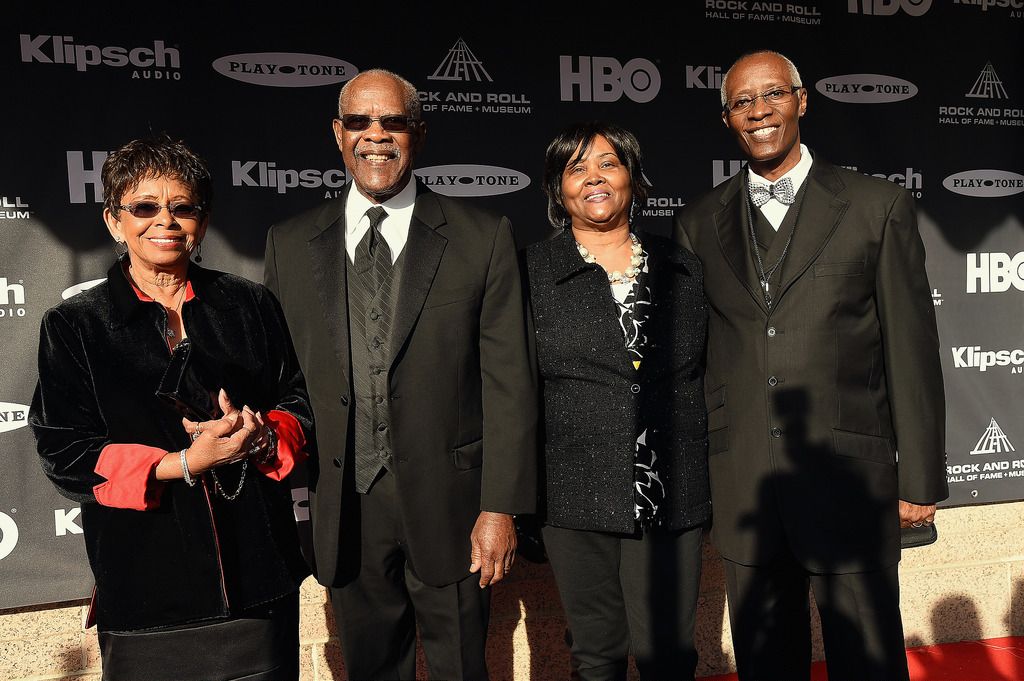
x: 928, y: 94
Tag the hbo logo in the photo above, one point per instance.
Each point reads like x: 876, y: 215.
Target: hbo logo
x: 994, y: 272
x: 914, y: 8
x: 604, y: 79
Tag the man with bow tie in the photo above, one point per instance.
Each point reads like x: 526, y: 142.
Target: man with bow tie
x: 824, y: 389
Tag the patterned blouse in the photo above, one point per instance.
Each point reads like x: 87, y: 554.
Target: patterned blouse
x: 633, y: 301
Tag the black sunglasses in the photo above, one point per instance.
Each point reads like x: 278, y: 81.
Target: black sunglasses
x: 392, y: 123
x: 150, y: 209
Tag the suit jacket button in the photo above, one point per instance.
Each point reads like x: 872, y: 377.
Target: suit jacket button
x: 337, y: 462
x: 635, y: 388
x: 776, y: 432
x: 771, y: 332
x: 344, y: 400
x: 772, y: 381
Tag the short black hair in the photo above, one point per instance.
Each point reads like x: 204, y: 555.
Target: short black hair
x: 159, y: 155
x: 561, y: 152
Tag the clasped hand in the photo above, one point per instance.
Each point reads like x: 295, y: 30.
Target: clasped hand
x: 232, y: 437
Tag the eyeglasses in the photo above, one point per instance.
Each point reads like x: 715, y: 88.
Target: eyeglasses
x: 773, y: 97
x: 150, y: 209
x: 392, y: 123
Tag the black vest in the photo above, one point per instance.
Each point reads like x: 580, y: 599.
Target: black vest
x: 371, y: 314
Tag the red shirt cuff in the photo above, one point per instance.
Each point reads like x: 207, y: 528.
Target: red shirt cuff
x: 290, y: 443
x: 130, y: 483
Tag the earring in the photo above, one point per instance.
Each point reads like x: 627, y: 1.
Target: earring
x: 199, y: 252
x: 120, y: 248
x: 632, y: 212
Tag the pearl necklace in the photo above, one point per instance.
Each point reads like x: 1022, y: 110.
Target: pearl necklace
x: 637, y: 259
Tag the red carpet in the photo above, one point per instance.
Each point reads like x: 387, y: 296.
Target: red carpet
x: 994, y: 659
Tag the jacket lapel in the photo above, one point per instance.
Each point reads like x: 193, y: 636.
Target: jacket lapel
x: 423, y: 255
x: 734, y: 237
x: 819, y: 216
x: 328, y: 263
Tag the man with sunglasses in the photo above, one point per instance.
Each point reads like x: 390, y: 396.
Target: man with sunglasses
x: 824, y: 389
x: 407, y: 315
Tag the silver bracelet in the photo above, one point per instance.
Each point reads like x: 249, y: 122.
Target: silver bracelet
x: 184, y: 469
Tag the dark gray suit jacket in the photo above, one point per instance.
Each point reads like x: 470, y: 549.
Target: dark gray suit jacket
x: 462, y: 384
x: 811, y: 403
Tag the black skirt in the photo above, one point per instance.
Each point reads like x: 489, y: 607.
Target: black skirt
x: 260, y: 644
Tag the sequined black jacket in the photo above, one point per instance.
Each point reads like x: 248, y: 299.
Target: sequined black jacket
x: 196, y: 556
x: 596, y: 402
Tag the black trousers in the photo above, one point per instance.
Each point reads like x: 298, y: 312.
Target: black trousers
x: 260, y: 644
x: 628, y: 593
x: 378, y: 612
x: 769, y: 612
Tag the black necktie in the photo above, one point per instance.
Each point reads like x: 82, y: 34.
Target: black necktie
x: 379, y: 251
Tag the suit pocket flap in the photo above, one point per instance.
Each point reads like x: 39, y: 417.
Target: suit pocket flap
x: 866, y: 447
x: 838, y: 269
x: 439, y: 297
x: 469, y: 456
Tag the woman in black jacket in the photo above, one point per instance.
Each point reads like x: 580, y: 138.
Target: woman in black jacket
x: 187, y: 518
x: 620, y: 323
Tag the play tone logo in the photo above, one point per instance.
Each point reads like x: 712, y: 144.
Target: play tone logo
x: 472, y: 180
x: 866, y: 88
x: 985, y: 183
x: 284, y: 69
x: 13, y: 416
x: 79, y: 288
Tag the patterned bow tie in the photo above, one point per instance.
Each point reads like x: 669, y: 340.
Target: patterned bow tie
x: 781, y: 191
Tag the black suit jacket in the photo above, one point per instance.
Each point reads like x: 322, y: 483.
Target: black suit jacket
x: 462, y: 387
x: 596, y: 402
x: 826, y: 409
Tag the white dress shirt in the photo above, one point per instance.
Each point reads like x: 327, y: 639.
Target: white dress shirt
x: 394, y: 228
x: 774, y: 211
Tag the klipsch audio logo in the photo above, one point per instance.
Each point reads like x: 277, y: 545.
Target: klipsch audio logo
x: 14, y: 209
x: 266, y: 174
x: 8, y: 535
x: 79, y: 288
x: 156, y: 62
x: 462, y: 68
x: 994, y: 272
x: 993, y: 441
x: 472, y: 180
x: 606, y: 79
x: 910, y: 179
x: 785, y: 12
x: 986, y: 183
x: 704, y: 77
x: 986, y: 86
x: 12, y: 416
x: 1015, y: 7
x: 12, y: 302
x: 914, y: 8
x: 866, y: 88
x: 284, y: 69
x: 974, y: 357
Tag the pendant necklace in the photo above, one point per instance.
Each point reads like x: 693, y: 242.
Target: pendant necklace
x: 765, y: 275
